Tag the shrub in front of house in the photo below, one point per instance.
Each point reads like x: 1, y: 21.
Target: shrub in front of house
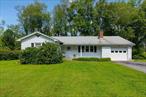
x: 93, y: 59
x: 48, y: 53
x: 9, y: 55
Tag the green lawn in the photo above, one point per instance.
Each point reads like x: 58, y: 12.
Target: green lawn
x: 136, y: 60
x: 70, y: 79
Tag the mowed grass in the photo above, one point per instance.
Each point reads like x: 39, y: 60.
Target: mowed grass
x: 136, y: 60
x: 70, y: 79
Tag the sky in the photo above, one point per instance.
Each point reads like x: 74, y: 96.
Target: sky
x: 8, y: 12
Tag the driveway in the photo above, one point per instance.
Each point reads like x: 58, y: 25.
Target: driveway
x: 140, y: 66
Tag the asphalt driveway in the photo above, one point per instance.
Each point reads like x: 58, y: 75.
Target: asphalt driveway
x: 140, y: 66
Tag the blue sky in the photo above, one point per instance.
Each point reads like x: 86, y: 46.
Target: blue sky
x: 9, y: 13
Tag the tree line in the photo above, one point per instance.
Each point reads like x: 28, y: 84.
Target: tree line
x: 81, y: 17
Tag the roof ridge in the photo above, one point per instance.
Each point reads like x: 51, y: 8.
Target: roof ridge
x: 85, y: 36
x: 37, y: 32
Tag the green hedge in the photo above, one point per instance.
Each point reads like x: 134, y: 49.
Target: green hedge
x: 9, y: 55
x: 49, y: 53
x: 93, y: 59
x: 139, y: 56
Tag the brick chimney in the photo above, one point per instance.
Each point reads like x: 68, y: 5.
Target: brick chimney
x: 101, y: 34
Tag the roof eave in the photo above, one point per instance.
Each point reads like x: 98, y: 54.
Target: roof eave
x: 20, y: 39
x: 101, y: 44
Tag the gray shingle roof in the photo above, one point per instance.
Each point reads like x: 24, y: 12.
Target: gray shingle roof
x: 85, y: 40
x: 93, y: 40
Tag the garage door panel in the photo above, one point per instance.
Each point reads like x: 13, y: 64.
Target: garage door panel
x: 119, y: 54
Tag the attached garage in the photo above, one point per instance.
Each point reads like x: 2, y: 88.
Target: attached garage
x: 120, y: 54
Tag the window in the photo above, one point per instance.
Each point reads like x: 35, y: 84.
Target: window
x: 87, y: 48
x: 79, y: 48
x: 124, y: 51
x: 83, y: 48
x: 32, y: 44
x: 38, y: 44
x: 116, y: 51
x: 68, y: 48
x: 95, y: 49
x: 91, y: 48
x: 112, y: 51
x: 120, y: 51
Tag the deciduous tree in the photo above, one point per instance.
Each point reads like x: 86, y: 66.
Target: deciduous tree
x: 8, y: 39
x: 34, y: 17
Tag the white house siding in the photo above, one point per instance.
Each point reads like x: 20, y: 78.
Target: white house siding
x: 129, y: 53
x: 73, y: 52
x: 106, y: 52
x: 33, y: 39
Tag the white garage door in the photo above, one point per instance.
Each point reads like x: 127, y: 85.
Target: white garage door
x: 119, y: 54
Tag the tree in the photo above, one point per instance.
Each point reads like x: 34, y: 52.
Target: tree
x: 8, y: 39
x: 143, y: 7
x: 116, y: 18
x: 135, y: 3
x: 2, y: 24
x: 16, y: 28
x: 0, y: 42
x: 139, y: 27
x: 34, y: 17
x: 124, y: 19
x: 59, y: 20
x: 81, y: 18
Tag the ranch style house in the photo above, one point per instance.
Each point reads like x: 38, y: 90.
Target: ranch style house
x: 114, y: 47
